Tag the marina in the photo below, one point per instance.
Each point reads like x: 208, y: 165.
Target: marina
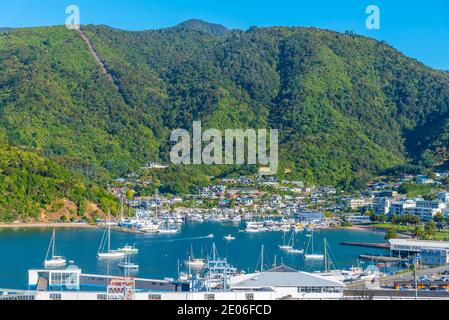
x: 163, y: 256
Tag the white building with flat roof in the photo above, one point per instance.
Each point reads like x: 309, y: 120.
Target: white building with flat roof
x: 280, y: 283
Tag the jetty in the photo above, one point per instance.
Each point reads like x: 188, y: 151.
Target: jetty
x: 380, y: 258
x: 367, y: 245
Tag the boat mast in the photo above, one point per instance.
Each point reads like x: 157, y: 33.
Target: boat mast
x: 261, y: 259
x: 312, y: 242
x: 109, y: 233
x: 325, y: 256
x: 51, y: 246
x: 157, y: 197
x: 53, y: 238
x: 122, y: 209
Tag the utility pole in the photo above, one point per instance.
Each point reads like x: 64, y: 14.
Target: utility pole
x: 416, y: 277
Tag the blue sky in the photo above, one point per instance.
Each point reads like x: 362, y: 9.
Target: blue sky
x: 418, y: 28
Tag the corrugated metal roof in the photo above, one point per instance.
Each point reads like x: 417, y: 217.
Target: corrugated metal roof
x: 284, y: 279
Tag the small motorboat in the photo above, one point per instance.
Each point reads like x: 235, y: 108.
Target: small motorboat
x: 229, y: 237
x: 129, y: 249
x: 316, y: 256
x: 295, y: 251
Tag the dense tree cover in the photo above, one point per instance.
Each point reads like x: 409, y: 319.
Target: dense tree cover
x: 347, y: 107
x: 30, y: 182
x: 53, y: 96
x: 200, y: 25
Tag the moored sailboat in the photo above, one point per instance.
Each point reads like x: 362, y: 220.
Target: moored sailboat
x: 107, y: 253
x: 286, y: 246
x: 128, y: 266
x: 313, y: 255
x: 51, y: 259
x: 292, y: 249
x: 195, y: 263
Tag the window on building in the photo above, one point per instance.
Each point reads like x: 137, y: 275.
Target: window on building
x: 249, y: 296
x: 55, y: 296
x: 310, y: 289
x: 209, y: 297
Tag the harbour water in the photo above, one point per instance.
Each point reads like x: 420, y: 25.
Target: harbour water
x: 22, y: 249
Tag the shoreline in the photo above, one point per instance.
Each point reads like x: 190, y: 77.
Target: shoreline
x: 45, y: 225
x: 403, y: 234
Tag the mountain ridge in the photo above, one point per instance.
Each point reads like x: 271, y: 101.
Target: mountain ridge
x: 204, y: 26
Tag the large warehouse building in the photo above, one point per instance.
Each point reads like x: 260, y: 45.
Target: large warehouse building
x: 431, y: 252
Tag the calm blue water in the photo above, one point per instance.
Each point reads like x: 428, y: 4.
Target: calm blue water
x: 23, y: 249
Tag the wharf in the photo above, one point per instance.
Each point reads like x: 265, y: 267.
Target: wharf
x: 380, y: 258
x: 367, y: 245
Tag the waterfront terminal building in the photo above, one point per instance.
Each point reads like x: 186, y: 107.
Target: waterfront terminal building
x: 432, y: 253
x: 281, y: 283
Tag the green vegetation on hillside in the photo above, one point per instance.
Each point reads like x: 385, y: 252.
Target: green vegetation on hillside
x: 347, y: 107
x: 29, y: 183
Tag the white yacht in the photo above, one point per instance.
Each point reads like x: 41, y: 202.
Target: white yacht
x: 51, y: 259
x: 292, y: 250
x: 107, y: 253
x: 286, y: 246
x: 195, y: 263
x: 312, y: 255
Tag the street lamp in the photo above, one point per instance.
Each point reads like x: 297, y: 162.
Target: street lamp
x: 417, y: 257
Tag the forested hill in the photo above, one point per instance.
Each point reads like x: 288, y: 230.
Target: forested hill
x: 203, y: 26
x: 347, y: 107
x: 35, y: 188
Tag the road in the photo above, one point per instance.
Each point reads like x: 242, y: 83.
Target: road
x: 389, y: 280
